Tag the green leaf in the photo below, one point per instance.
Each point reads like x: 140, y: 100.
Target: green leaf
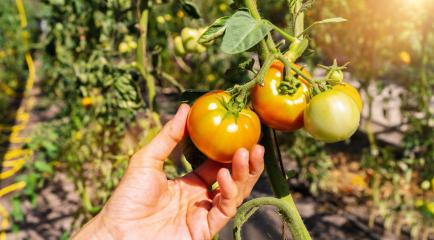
x: 189, y: 96
x: 17, y: 212
x: 43, y: 166
x: 332, y: 20
x: 243, y: 32
x: 190, y: 9
x: 215, y: 31
x: 65, y: 236
x: 247, y: 64
x: 328, y: 20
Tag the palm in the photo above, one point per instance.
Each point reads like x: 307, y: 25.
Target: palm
x: 156, y: 203
x: 146, y: 204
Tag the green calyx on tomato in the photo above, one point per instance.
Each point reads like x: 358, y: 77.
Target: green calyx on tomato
x: 331, y: 116
x: 334, y: 80
x: 283, y: 112
x: 335, y: 74
x: 289, y: 86
x: 216, y: 131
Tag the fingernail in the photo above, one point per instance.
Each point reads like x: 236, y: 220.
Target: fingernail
x: 261, y: 149
x: 243, y: 153
x: 183, y: 108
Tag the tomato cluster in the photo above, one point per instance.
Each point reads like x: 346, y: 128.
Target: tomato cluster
x: 332, y: 115
x: 187, y: 42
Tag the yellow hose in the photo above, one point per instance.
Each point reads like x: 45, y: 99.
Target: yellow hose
x: 15, y: 158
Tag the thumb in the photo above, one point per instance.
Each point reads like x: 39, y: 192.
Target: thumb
x: 156, y: 152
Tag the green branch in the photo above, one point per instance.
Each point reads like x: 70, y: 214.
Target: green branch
x: 258, y: 79
x: 291, y: 66
x: 141, y: 56
x: 288, y: 211
x: 284, y: 34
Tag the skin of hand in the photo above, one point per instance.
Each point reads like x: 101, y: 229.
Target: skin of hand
x: 146, y: 205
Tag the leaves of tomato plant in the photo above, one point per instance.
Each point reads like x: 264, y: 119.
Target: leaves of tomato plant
x: 43, y: 166
x: 243, y: 32
x: 190, y: 95
x: 190, y: 9
x: 332, y: 20
x: 328, y: 20
x: 215, y: 31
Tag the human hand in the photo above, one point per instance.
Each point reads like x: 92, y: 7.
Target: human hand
x: 146, y: 205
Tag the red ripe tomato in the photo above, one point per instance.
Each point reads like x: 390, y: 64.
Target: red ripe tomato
x: 219, y: 133
x: 281, y: 112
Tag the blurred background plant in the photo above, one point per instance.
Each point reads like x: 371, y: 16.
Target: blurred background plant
x: 96, y: 102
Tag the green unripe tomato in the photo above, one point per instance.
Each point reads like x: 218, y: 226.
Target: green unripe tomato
x: 188, y: 34
x: 425, y: 185
x: 123, y: 47
x: 331, y: 116
x: 179, y: 46
x: 190, y: 45
x: 200, y: 48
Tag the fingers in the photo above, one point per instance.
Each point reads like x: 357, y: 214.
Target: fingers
x: 256, y: 161
x: 246, y: 170
x: 224, y: 203
x: 154, y: 154
x: 240, y: 165
x: 207, y: 172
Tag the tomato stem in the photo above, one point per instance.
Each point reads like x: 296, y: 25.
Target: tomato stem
x: 291, y: 66
x: 286, y: 210
x: 279, y: 184
x: 258, y: 79
x: 281, y: 32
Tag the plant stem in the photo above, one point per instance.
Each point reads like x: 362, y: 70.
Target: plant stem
x: 172, y: 80
x: 258, y: 79
x: 291, y: 66
x: 281, y: 32
x: 286, y: 210
x: 280, y: 186
x: 141, y: 54
x: 265, y: 45
x: 277, y: 180
x: 253, y: 8
x: 299, y: 18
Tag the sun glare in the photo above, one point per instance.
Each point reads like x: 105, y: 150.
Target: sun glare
x: 414, y: 2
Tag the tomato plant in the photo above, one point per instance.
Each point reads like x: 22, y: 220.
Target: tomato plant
x: 218, y: 130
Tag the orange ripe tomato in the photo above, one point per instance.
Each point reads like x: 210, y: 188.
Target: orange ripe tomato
x: 217, y: 132
x: 281, y: 112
